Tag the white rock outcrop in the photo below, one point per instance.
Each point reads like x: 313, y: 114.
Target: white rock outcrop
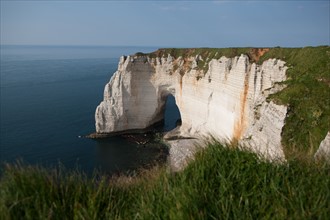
x: 324, y: 149
x: 227, y: 102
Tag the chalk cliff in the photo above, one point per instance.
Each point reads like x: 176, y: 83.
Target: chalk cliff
x: 226, y: 99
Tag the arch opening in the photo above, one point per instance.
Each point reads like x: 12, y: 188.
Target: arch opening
x: 172, y: 116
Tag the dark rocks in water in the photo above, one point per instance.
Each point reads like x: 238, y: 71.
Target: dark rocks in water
x: 152, y: 129
x: 152, y: 151
x: 98, y: 135
x: 140, y: 139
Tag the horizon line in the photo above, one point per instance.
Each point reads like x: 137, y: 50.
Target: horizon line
x: 151, y: 46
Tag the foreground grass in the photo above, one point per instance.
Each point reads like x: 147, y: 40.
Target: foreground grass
x: 221, y: 183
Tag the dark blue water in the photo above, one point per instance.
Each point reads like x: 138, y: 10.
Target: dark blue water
x: 48, y: 99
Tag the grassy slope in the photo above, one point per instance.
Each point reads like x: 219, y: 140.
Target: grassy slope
x: 307, y: 94
x: 221, y: 183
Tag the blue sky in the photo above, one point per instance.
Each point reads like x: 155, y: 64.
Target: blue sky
x: 166, y: 23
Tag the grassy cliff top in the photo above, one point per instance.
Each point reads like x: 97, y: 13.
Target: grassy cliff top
x: 207, y: 53
x: 307, y: 94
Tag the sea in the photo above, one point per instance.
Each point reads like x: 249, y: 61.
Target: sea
x: 48, y: 99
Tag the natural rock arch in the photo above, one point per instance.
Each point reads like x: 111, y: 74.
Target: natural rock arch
x: 172, y: 115
x: 228, y: 101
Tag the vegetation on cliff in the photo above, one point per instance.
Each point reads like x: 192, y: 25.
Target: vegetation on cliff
x: 222, y: 183
x: 307, y: 93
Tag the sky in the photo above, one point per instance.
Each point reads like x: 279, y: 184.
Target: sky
x: 166, y: 23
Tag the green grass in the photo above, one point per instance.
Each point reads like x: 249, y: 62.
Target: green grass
x: 307, y: 95
x: 221, y: 183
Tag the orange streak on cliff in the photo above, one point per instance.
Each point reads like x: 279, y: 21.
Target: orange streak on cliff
x: 241, y: 123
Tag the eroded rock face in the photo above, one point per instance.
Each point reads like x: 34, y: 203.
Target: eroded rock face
x: 227, y: 102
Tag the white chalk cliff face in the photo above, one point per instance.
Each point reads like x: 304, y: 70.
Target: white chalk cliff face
x: 227, y: 102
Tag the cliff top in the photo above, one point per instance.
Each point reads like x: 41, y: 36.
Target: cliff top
x: 207, y: 53
x: 212, y: 53
x: 255, y: 54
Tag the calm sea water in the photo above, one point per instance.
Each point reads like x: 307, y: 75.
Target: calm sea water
x: 48, y: 99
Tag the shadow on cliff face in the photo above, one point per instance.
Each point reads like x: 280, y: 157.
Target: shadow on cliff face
x: 172, y: 117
